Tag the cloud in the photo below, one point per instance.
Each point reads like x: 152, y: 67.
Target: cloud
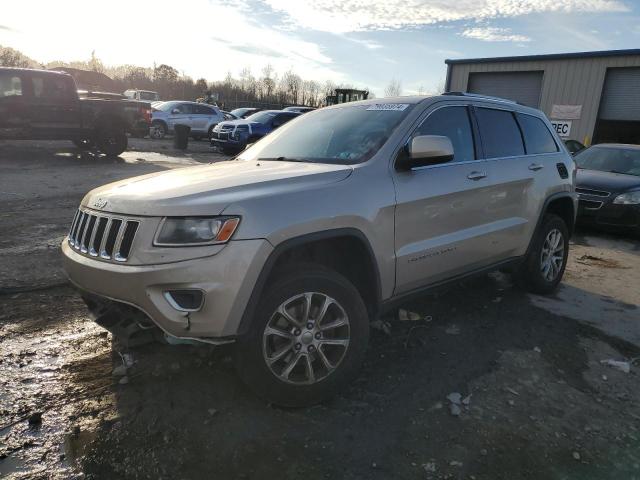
x: 340, y: 16
x: 493, y: 34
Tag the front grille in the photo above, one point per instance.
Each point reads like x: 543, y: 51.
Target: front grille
x: 595, y: 193
x: 590, y: 204
x: 104, y: 236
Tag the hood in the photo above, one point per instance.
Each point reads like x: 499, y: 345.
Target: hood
x: 208, y: 189
x: 606, y: 181
x: 235, y: 123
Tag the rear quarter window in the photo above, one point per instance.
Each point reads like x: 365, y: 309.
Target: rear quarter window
x: 537, y: 137
x: 500, y: 133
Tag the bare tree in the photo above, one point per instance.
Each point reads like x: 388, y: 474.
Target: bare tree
x: 394, y: 89
x: 13, y: 58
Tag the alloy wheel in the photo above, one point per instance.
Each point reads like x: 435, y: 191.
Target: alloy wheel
x: 552, y: 255
x: 306, y: 338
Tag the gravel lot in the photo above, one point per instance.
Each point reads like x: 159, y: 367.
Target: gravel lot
x: 535, y: 400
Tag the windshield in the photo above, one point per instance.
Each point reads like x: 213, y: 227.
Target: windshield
x: 148, y: 96
x: 607, y: 159
x: 346, y: 135
x: 261, y: 117
x: 239, y: 112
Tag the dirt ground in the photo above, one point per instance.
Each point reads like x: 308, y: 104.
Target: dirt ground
x: 490, y: 383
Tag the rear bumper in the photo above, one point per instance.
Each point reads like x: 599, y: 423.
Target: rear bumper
x: 226, y: 279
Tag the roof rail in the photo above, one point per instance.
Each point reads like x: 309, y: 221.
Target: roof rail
x: 477, y: 95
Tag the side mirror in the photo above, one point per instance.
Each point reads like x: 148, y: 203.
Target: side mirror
x: 426, y: 150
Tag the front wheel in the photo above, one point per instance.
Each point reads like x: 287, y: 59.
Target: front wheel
x: 308, y: 338
x: 544, y: 265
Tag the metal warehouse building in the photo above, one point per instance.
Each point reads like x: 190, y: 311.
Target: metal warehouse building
x: 592, y: 97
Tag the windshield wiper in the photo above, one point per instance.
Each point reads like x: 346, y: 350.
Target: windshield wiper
x: 281, y: 159
x: 618, y: 171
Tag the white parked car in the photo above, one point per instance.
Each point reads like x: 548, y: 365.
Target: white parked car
x: 199, y: 116
x: 144, y: 95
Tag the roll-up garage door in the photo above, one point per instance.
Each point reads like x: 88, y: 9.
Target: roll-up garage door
x: 522, y: 87
x: 621, y: 95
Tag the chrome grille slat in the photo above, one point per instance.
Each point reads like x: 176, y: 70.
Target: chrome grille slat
x: 81, y: 229
x: 94, y: 228
x: 96, y: 236
x: 116, y: 246
x: 74, y: 238
x: 89, y: 226
x: 102, y: 235
x: 73, y: 226
x: 107, y: 229
x: 592, y: 192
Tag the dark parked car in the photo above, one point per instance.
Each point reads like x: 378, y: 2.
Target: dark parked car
x: 234, y: 136
x: 608, y: 183
x: 244, y: 112
x: 43, y: 104
x: 574, y: 146
x: 299, y: 109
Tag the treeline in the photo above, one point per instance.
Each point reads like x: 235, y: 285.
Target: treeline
x: 266, y: 88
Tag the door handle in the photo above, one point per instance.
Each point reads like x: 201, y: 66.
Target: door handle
x: 535, y: 167
x: 477, y: 175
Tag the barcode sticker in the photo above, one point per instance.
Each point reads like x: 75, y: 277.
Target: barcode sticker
x: 388, y: 107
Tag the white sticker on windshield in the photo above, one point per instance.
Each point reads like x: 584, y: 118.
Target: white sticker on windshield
x: 388, y: 107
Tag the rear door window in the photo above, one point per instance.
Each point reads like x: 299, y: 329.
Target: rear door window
x: 454, y: 123
x: 500, y: 133
x: 204, y: 110
x: 52, y: 87
x: 537, y: 137
x: 10, y: 85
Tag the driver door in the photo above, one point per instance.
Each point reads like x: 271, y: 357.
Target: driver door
x: 444, y: 222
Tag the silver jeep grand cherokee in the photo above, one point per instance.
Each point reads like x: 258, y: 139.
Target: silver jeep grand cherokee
x: 290, y: 249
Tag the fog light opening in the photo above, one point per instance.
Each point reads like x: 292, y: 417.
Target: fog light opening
x: 185, y: 300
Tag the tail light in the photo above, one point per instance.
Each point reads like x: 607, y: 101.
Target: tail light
x: 146, y: 114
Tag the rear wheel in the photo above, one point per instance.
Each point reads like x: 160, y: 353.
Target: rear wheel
x: 112, y: 140
x: 158, y: 130
x: 308, y: 338
x: 546, y: 261
x: 84, y: 143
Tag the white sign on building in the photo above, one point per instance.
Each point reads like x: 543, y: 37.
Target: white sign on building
x: 566, y: 112
x: 562, y: 127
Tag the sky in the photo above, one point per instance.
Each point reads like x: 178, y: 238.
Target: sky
x: 364, y: 43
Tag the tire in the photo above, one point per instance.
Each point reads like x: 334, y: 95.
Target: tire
x: 230, y: 150
x: 536, y: 274
x: 84, y: 143
x: 210, y: 132
x: 291, y: 290
x: 112, y: 140
x: 158, y: 130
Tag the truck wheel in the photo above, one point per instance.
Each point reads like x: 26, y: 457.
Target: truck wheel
x: 544, y: 265
x: 158, y: 130
x: 84, y: 143
x: 112, y: 141
x: 307, y: 340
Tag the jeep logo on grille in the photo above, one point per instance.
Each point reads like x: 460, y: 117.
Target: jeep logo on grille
x: 100, y: 203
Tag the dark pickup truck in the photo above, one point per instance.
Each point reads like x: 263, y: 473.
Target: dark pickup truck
x: 43, y: 104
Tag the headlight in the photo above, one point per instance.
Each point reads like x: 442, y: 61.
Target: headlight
x: 630, y: 198
x: 186, y: 231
